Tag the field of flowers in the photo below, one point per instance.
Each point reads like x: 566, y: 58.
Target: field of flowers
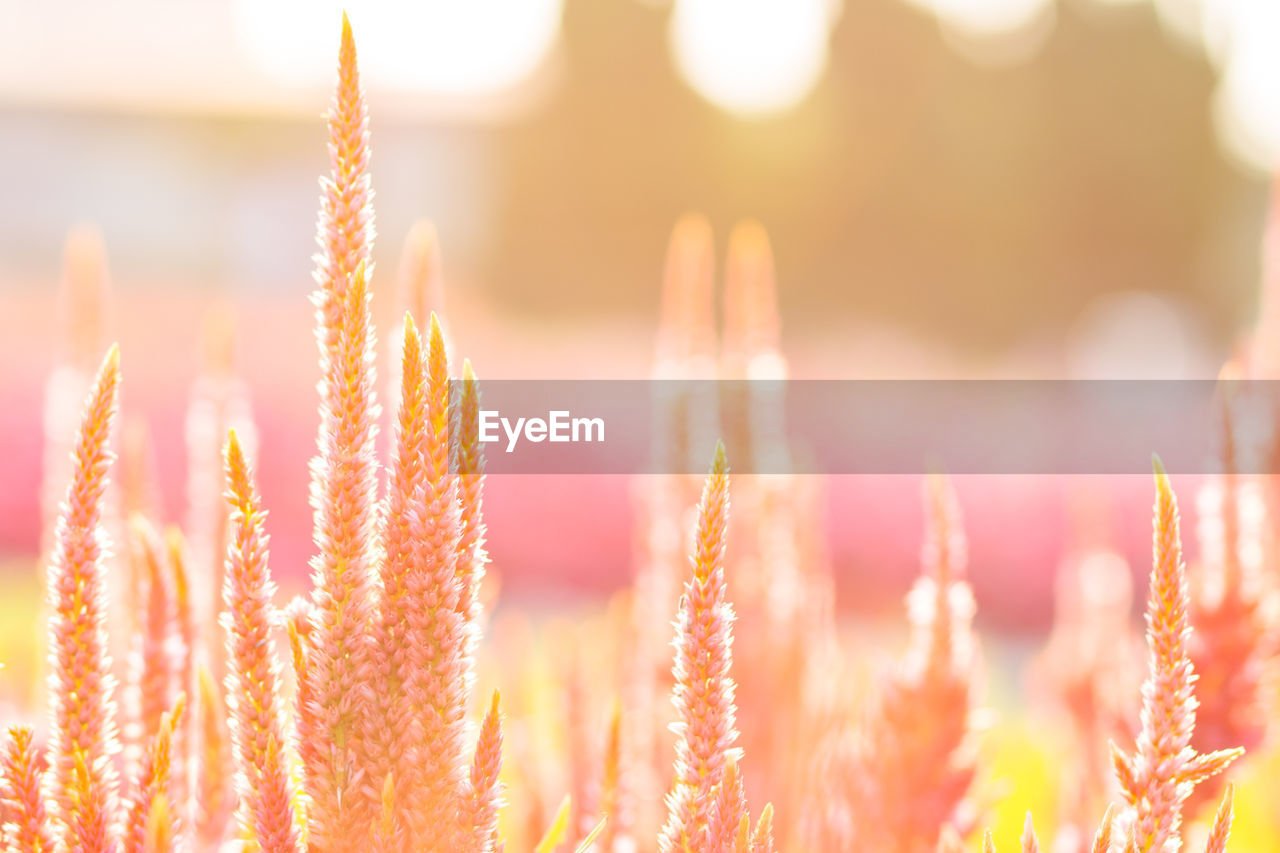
x: 717, y: 705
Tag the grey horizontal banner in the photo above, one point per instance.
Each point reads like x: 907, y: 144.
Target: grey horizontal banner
x: 874, y: 427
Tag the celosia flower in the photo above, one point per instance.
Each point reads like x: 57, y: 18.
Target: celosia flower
x: 1159, y: 776
x: 214, y: 801
x: 253, y: 683
x: 703, y: 690
x: 152, y: 686
x: 762, y: 835
x: 151, y: 812
x: 728, y: 808
x: 918, y: 761
x: 468, y: 463
x: 437, y: 635
x: 610, y: 784
x: 184, y: 738
x: 1234, y: 636
x: 344, y: 496
x: 1030, y: 844
x: 82, y: 731
x: 1221, y: 829
x: 390, y: 718
x: 484, y: 788
x: 28, y: 829
x: 344, y: 480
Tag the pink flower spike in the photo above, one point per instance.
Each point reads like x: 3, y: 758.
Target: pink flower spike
x: 151, y: 812
x: 253, y: 683
x: 82, y: 712
x: 1164, y: 769
x: 1221, y: 830
x: 704, y: 690
x: 1030, y: 844
x: 20, y: 796
x: 480, y: 816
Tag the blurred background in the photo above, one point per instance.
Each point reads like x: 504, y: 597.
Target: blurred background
x: 1024, y: 188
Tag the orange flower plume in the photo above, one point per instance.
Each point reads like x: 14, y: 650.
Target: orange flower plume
x: 82, y: 711
x: 1235, y: 630
x: 344, y: 480
x: 436, y: 683
x: 152, y: 683
x: 1157, y: 779
x: 919, y: 761
x: 390, y: 720
x: 1221, y: 829
x: 21, y: 798
x: 214, y: 796
x: 152, y: 815
x: 484, y: 791
x: 703, y: 691
x: 253, y: 683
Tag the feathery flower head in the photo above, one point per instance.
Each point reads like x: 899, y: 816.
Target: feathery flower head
x: 253, y: 683
x: 152, y: 684
x: 214, y: 799
x: 1221, y: 829
x: 21, y: 798
x: 1164, y: 769
x: 82, y: 731
x: 704, y: 690
x: 344, y: 490
x: 438, y: 677
x: 346, y: 229
x: 151, y: 812
x: 389, y: 720
x: 480, y: 811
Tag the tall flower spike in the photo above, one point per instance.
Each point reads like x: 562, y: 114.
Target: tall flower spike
x: 184, y: 739
x: 1102, y: 840
x: 346, y: 230
x: 152, y: 812
x: 213, y: 787
x: 1157, y: 779
x: 152, y: 685
x: 389, y: 733
x: 344, y: 478
x: 344, y: 491
x: 480, y: 812
x: 469, y: 465
x: 728, y: 808
x: 1030, y: 844
x: 438, y: 679
x: 22, y: 800
x: 703, y: 690
x: 1234, y: 626
x: 253, y: 683
x: 82, y: 724
x: 921, y: 736
x: 762, y: 836
x: 1221, y: 829
x: 610, y: 785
